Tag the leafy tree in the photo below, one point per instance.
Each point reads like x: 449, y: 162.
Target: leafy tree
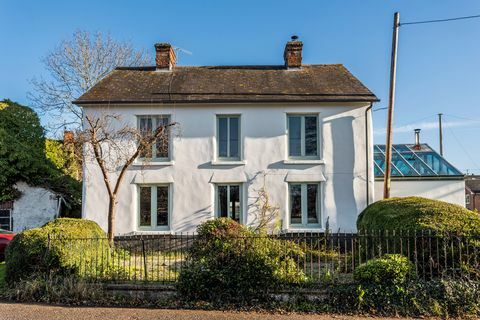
x: 23, y: 158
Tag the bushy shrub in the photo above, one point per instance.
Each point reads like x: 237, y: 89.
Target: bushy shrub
x: 438, y: 298
x: 229, y: 263
x: 50, y: 249
x: 390, y: 269
x: 416, y: 214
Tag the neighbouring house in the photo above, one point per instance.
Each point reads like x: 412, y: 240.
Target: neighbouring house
x: 302, y: 131
x: 472, y: 192
x: 33, y: 208
x: 418, y: 170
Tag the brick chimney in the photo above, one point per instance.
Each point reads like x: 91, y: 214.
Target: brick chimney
x: 68, y: 137
x: 165, y: 57
x: 293, y: 53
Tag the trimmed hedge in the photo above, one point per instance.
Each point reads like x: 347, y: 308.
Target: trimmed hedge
x: 417, y: 214
x: 31, y: 252
x: 229, y: 263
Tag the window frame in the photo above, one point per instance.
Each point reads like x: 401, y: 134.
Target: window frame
x: 217, y: 133
x: 302, y: 136
x: 153, y: 220
x: 240, y: 200
x: 10, y: 220
x: 304, y: 206
x: 155, y: 118
x: 467, y: 198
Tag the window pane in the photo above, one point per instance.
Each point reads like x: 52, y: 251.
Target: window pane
x: 222, y: 201
x: 312, y: 205
x: 235, y: 203
x: 222, y: 137
x: 294, y: 136
x: 311, y: 136
x: 234, y: 143
x: 162, y: 206
x: 163, y: 140
x: 145, y: 206
x: 295, y: 204
x: 146, y: 129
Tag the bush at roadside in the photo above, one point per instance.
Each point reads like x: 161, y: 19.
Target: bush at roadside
x: 50, y: 249
x: 390, y: 269
x: 230, y: 263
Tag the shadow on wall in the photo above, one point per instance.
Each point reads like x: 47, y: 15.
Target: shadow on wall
x: 342, y: 174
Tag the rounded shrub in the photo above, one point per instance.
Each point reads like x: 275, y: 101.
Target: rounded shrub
x: 390, y: 269
x: 230, y: 263
x: 417, y: 214
x: 59, y: 247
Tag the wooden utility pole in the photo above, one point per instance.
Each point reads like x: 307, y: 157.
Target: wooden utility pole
x: 391, y: 104
x: 440, y: 133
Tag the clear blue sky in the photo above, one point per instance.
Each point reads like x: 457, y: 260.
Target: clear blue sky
x: 438, y: 64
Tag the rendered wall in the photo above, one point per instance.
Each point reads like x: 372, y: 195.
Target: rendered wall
x: 264, y: 149
x: 452, y: 191
x: 34, y: 208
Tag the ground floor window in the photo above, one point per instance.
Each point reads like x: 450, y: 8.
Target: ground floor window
x: 6, y: 221
x: 228, y: 201
x: 304, y: 204
x: 154, y: 207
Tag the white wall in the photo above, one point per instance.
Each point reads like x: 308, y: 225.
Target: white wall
x: 34, y: 208
x: 264, y: 148
x: 452, y: 191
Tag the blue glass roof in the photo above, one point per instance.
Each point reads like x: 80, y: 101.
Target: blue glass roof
x: 409, y: 160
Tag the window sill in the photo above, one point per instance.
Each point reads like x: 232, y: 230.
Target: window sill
x: 153, y: 163
x: 306, y: 229
x: 150, y: 232
x: 228, y: 163
x: 304, y: 161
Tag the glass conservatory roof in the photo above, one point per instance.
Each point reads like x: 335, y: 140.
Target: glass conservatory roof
x: 409, y: 160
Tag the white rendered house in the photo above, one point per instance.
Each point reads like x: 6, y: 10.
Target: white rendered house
x: 303, y: 131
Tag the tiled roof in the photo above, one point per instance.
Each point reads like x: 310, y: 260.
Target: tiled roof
x: 473, y: 183
x: 311, y: 83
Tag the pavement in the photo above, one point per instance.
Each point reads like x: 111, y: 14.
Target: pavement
x: 21, y: 311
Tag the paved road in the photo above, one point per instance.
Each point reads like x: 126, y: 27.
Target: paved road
x: 14, y: 311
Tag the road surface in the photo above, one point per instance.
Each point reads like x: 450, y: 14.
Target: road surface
x: 21, y: 311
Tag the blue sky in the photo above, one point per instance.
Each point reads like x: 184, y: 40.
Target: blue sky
x: 438, y: 64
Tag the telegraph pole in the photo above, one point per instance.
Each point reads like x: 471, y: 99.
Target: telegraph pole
x: 391, y: 104
x: 440, y: 133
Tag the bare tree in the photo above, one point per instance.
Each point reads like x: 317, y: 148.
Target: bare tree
x: 73, y: 67
x: 114, y: 148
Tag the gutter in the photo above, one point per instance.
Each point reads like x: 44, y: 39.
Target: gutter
x: 367, y: 158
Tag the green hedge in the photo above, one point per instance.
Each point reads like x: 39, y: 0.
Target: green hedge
x: 416, y: 214
x: 49, y: 249
x: 230, y: 263
x: 390, y: 269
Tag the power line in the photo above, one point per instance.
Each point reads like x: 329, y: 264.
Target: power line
x: 440, y: 20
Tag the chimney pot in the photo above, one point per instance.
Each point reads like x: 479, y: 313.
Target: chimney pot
x: 165, y: 57
x: 293, y: 53
x: 417, y: 139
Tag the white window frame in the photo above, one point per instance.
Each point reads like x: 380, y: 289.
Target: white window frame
x: 153, y: 208
x: 217, y: 152
x: 10, y: 219
x: 155, y: 118
x: 467, y: 198
x: 304, y: 206
x: 240, y: 200
x: 302, y: 136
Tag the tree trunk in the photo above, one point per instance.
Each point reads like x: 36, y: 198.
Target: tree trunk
x: 111, y: 220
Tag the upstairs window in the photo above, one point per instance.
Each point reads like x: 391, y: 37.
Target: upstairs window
x: 304, y: 204
x: 160, y: 150
x: 303, y: 137
x: 154, y: 207
x: 228, y: 137
x: 228, y: 201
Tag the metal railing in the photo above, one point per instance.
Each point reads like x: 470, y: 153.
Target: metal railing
x: 324, y: 256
